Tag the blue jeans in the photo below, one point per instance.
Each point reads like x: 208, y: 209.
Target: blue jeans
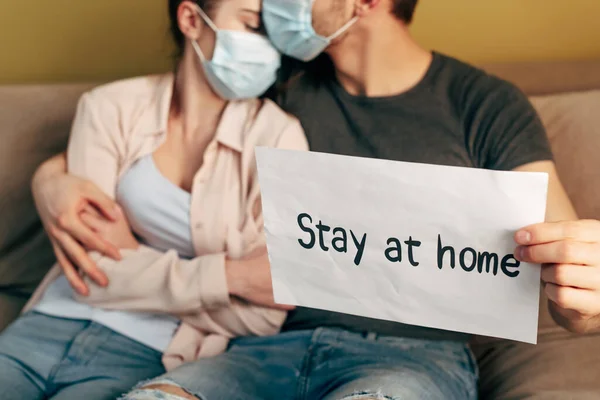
x: 64, y: 359
x: 329, y: 364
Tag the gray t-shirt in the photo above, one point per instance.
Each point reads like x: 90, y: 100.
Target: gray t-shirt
x: 456, y: 115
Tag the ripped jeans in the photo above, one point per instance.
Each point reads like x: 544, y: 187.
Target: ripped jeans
x: 328, y: 364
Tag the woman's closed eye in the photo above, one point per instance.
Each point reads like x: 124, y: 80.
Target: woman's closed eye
x: 252, y: 22
x: 256, y: 29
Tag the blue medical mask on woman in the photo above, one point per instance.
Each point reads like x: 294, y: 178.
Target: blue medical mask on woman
x: 244, y: 65
x: 289, y: 25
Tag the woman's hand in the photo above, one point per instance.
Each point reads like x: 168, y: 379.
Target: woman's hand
x: 60, y: 199
x: 570, y: 254
x: 116, y: 232
x: 250, y: 279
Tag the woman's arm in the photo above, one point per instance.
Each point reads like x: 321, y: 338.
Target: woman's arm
x: 150, y: 280
x: 146, y: 279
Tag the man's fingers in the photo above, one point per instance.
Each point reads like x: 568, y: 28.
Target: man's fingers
x: 102, y: 202
x: 93, y: 211
x: 582, y: 231
x: 270, y: 303
x: 562, y: 252
x: 284, y: 307
x: 84, y: 233
x: 92, y: 221
x: 260, y: 251
x: 568, y: 298
x: 93, y: 241
x: 79, y: 256
x: 576, y: 276
x: 69, y: 270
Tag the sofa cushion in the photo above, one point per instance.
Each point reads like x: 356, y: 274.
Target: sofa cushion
x: 563, y: 368
x: 34, y: 125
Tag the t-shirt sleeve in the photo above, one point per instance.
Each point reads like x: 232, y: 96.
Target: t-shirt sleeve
x: 506, y: 130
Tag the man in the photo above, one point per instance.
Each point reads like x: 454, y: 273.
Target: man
x: 376, y: 93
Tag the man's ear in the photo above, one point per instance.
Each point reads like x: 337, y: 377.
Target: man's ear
x: 190, y: 23
x: 363, y: 7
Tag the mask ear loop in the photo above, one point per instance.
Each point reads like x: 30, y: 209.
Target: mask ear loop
x: 206, y: 19
x: 198, y: 50
x: 343, y: 29
x: 210, y: 24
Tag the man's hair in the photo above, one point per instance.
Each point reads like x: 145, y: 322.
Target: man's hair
x: 404, y: 10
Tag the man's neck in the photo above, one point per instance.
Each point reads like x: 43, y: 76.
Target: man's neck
x: 380, y: 65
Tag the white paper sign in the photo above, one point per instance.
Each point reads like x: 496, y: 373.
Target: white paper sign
x: 377, y: 238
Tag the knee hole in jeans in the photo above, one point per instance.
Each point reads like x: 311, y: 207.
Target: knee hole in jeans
x: 367, y: 396
x: 172, y: 389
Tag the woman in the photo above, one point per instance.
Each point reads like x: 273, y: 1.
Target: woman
x: 177, y: 153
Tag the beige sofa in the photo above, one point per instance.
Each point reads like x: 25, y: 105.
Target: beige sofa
x: 35, y: 121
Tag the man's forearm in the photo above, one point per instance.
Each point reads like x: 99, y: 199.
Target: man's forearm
x: 574, y: 325
x: 235, y: 277
x: 250, y: 279
x: 51, y: 167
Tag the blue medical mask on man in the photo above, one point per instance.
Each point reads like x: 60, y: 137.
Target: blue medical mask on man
x: 244, y: 65
x: 289, y: 25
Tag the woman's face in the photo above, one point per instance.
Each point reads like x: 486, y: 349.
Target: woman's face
x: 233, y: 15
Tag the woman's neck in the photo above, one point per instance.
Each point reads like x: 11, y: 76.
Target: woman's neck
x: 195, y: 107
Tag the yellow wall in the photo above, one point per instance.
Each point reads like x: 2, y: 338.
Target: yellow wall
x: 78, y: 40
x: 511, y: 30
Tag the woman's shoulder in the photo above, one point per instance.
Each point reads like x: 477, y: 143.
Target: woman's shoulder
x: 140, y: 86
x: 129, y: 106
x: 128, y: 96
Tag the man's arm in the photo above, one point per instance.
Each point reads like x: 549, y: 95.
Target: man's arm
x: 59, y: 198
x: 569, y: 250
x: 559, y: 207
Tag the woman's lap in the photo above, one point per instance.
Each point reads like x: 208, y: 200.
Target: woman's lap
x: 43, y: 356
x: 330, y: 364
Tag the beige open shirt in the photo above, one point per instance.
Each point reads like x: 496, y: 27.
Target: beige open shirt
x: 119, y: 123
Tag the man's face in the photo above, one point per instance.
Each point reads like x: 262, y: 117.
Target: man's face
x: 330, y: 15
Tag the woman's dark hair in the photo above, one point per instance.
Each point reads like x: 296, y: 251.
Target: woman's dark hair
x: 207, y: 5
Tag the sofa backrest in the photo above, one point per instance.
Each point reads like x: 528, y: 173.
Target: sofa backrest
x: 34, y: 125
x: 572, y: 122
x: 545, y: 78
